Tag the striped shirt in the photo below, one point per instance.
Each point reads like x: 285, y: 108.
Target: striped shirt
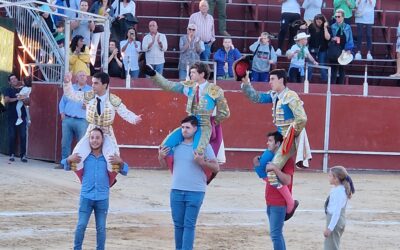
x: 205, y: 26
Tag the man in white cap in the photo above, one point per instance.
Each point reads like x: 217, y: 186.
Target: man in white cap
x: 297, y: 55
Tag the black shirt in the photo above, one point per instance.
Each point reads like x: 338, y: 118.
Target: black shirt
x: 317, y: 38
x: 114, y: 70
x: 11, y: 106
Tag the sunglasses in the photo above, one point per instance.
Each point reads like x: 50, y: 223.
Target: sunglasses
x: 191, y: 29
x: 338, y: 16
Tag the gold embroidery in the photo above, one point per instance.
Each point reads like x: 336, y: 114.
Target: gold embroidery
x: 115, y: 100
x: 89, y: 95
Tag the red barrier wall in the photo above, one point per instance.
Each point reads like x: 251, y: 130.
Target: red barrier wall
x: 357, y: 124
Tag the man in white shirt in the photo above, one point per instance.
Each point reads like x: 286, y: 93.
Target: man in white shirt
x: 154, y: 45
x: 205, y: 28
x: 290, y: 13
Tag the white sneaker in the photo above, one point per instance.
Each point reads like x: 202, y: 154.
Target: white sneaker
x: 358, y: 56
x: 369, y: 57
x: 278, y: 52
x: 19, y: 121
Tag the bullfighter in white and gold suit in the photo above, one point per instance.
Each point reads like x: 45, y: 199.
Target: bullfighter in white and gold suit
x: 101, y: 107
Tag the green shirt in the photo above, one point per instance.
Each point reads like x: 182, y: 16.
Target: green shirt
x: 342, y: 4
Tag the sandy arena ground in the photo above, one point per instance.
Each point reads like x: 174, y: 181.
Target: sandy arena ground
x: 38, y: 210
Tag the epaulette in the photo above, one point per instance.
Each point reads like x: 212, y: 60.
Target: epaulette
x: 115, y: 100
x: 89, y: 95
x: 188, y: 83
x: 290, y: 96
x: 214, y: 91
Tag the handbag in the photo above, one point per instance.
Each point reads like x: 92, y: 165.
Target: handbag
x: 98, y: 28
x: 130, y: 19
x: 334, y: 51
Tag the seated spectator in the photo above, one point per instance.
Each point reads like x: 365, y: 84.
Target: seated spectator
x: 190, y: 47
x: 347, y: 6
x: 263, y: 56
x: 11, y: 100
x: 320, y: 35
x: 79, y: 58
x: 102, y: 8
x: 85, y: 26
x: 342, y: 35
x: 290, y: 13
x: 46, y: 15
x: 225, y: 57
x: 397, y: 74
x: 221, y: 10
x: 297, y: 55
x: 130, y: 49
x: 155, y: 44
x: 364, y: 18
x: 311, y: 9
x: 115, y: 66
x: 205, y: 28
x: 122, y: 8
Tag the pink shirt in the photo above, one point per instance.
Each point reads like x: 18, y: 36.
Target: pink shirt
x: 205, y: 26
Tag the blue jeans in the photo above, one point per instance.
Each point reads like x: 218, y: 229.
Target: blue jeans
x: 259, y: 76
x: 276, y: 217
x: 71, y: 127
x: 182, y: 74
x: 321, y: 58
x: 205, y: 55
x: 368, y: 27
x: 158, y: 67
x: 134, y: 74
x: 86, y: 207
x: 185, y: 207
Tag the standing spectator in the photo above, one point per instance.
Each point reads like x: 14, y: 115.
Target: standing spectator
x: 47, y: 17
x: 276, y: 204
x: 79, y: 56
x: 102, y: 8
x: 115, y: 66
x: 225, y: 57
x: 342, y: 35
x: 85, y: 26
x: 190, y: 47
x: 189, y: 182
x: 264, y: 56
x: 364, y: 18
x: 73, y: 5
x: 130, y: 49
x: 397, y: 74
x: 155, y: 44
x: 11, y: 99
x: 221, y: 10
x: 122, y: 8
x: 335, y: 206
x: 56, y: 18
x: 95, y: 191
x: 320, y: 35
x: 205, y: 28
x: 297, y: 55
x: 311, y: 9
x: 73, y: 117
x: 347, y: 6
x: 290, y: 13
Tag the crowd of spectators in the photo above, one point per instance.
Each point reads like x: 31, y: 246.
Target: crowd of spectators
x: 126, y: 49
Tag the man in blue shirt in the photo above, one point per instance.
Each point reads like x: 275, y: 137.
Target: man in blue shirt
x: 95, y: 189
x: 73, y: 117
x: 189, y: 182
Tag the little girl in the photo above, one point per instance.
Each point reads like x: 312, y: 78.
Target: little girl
x: 25, y: 91
x: 335, y: 206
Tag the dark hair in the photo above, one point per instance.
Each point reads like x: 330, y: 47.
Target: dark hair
x: 280, y: 73
x: 98, y: 129
x: 202, y: 68
x: 28, y: 81
x: 74, y: 43
x: 127, y: 32
x: 126, y: 1
x: 319, y: 17
x: 192, y: 119
x: 87, y: 1
x: 60, y: 24
x: 277, y: 136
x: 104, y: 77
x: 11, y: 75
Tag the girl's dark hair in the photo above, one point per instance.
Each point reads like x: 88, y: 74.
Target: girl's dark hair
x: 28, y: 81
x: 74, y: 43
x: 320, y: 17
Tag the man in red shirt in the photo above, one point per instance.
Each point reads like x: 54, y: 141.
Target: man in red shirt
x: 276, y: 204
